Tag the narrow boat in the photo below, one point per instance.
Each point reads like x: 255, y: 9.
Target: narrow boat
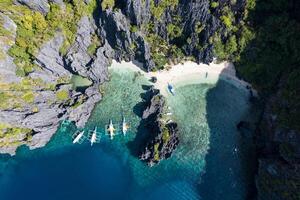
x: 94, y: 136
x: 78, y: 137
x: 125, y: 126
x: 171, y: 89
x: 111, y: 129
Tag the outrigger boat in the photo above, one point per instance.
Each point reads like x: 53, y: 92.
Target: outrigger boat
x: 171, y: 89
x: 111, y: 129
x: 125, y: 126
x: 93, y: 136
x: 78, y: 137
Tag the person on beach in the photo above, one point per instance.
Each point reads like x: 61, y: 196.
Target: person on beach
x: 206, y: 74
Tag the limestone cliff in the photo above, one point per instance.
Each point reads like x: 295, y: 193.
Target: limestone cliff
x: 163, y: 135
x: 37, y: 61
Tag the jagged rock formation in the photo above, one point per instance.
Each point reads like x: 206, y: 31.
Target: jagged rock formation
x: 39, y: 5
x: 127, y: 32
x: 278, y: 156
x: 163, y: 138
x: 78, y: 60
x: 46, y: 112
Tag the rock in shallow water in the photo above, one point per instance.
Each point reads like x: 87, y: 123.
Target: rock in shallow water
x: 163, y: 133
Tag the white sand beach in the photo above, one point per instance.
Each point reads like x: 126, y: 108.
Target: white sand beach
x: 188, y: 73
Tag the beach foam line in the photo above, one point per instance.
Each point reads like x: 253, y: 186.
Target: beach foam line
x: 188, y: 73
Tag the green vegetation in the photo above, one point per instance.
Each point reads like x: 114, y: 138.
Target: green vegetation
x: 227, y: 50
x: 3, y: 32
x: 13, y: 136
x: 2, y: 55
x: 92, y: 49
x: 174, y: 31
x: 105, y: 4
x: 35, y: 109
x: 159, y: 9
x: 79, y: 101
x: 269, y: 60
x: 265, y: 50
x: 34, y: 29
x: 133, y: 28
x: 62, y: 95
x: 165, y: 135
x: 214, y: 4
x: 156, y: 152
x: 28, y: 97
x: 237, y: 36
x: 226, y: 20
x: 18, y: 95
x: 199, y: 27
x: 289, y: 114
x: 283, y: 188
x: 161, y: 51
x: 96, y: 43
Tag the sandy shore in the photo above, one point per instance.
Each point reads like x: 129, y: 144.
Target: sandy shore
x: 188, y: 73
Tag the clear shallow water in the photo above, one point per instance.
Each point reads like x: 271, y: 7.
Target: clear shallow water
x: 80, y: 82
x: 211, y: 162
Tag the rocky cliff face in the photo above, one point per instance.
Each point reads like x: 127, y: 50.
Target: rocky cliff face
x: 163, y: 133
x: 44, y: 114
x: 149, y: 31
x: 278, y: 154
x: 130, y: 31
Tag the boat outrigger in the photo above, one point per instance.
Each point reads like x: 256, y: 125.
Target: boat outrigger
x: 111, y: 129
x: 94, y: 137
x: 171, y: 89
x: 78, y: 137
x: 125, y: 126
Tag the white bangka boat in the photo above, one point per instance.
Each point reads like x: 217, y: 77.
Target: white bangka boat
x: 111, y: 130
x: 125, y: 126
x: 94, y: 138
x: 77, y: 138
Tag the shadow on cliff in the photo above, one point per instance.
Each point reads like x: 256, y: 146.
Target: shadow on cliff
x: 97, y: 13
x: 230, y: 161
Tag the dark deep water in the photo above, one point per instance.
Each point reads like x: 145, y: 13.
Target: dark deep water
x: 212, y: 162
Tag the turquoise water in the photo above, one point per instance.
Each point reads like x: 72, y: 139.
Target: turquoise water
x: 212, y: 161
x: 80, y: 82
